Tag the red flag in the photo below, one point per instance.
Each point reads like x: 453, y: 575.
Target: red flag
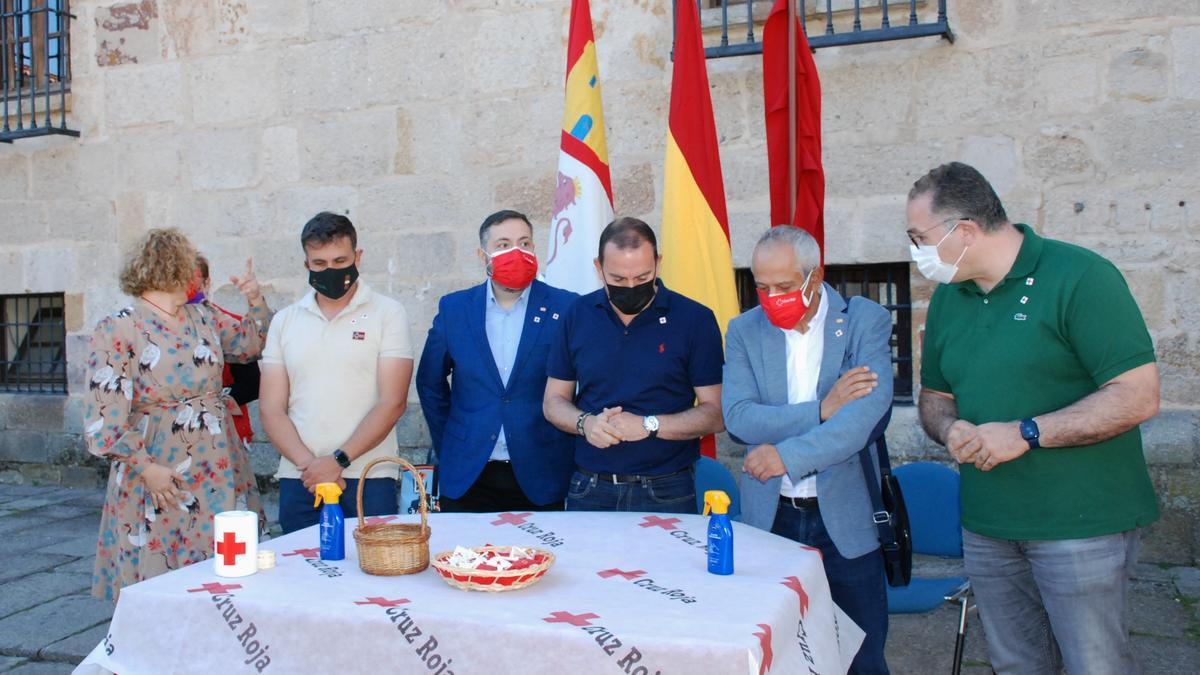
x: 809, y: 202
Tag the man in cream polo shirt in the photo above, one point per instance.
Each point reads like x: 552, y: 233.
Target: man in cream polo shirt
x: 335, y: 376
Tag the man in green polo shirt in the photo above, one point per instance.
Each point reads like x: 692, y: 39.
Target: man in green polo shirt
x: 1037, y: 370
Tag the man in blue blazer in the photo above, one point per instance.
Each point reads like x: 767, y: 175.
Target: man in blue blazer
x: 807, y: 378
x: 481, y: 379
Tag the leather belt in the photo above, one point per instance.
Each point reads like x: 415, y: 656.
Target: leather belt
x: 616, y: 478
x: 798, y: 502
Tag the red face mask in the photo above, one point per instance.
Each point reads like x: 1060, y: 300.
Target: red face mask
x: 195, y: 292
x: 785, y: 310
x: 514, y: 268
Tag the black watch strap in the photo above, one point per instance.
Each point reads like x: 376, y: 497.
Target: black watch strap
x: 342, y: 458
x: 1031, y: 433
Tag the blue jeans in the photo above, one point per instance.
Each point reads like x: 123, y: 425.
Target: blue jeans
x: 296, y: 510
x: 1046, y: 604
x: 858, y: 585
x: 670, y: 494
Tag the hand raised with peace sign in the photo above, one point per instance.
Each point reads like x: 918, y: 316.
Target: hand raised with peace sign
x: 248, y: 284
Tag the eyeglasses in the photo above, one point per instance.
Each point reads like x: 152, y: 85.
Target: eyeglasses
x: 914, y: 236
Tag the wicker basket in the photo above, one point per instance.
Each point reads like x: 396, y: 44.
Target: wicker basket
x: 492, y: 581
x: 392, y: 549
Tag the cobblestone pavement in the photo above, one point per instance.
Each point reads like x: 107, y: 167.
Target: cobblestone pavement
x: 49, y: 622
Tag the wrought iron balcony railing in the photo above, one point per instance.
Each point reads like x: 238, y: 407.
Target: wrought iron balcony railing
x: 827, y: 23
x: 35, y: 68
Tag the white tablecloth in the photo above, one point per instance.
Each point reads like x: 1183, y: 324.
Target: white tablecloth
x: 629, y: 592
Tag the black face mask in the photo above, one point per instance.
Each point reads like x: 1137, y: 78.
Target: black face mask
x: 633, y: 300
x: 333, y: 283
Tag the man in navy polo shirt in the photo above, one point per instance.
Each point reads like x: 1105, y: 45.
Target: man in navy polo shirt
x: 647, y: 362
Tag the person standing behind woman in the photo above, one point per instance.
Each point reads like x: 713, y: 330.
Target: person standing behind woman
x: 154, y: 407
x: 241, y: 379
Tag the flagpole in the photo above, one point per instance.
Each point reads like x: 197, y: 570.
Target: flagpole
x: 791, y: 84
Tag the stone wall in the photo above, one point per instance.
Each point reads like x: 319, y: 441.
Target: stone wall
x: 236, y: 120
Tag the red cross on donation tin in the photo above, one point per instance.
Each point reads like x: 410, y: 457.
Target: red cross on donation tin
x: 230, y: 548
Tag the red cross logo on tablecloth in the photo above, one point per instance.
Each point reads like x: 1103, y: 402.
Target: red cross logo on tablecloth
x: 584, y: 619
x: 511, y: 518
x: 794, y: 584
x: 764, y: 641
x: 814, y: 550
x: 382, y: 602
x: 214, y: 588
x: 614, y: 572
x: 658, y: 521
x: 230, y: 548
x: 306, y: 552
x: 379, y: 520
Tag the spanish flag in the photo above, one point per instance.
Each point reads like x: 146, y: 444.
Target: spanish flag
x: 583, y: 197
x: 697, y: 260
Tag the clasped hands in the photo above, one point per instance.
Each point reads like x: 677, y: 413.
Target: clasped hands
x: 985, y: 445
x: 613, y: 425
x: 324, y: 469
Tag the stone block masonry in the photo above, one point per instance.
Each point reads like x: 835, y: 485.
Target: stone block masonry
x: 236, y: 121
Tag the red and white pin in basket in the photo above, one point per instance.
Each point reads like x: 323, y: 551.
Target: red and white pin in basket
x: 492, y: 568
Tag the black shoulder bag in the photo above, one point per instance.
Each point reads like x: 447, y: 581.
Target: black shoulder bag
x: 887, y: 506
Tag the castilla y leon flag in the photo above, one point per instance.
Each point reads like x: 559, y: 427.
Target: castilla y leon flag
x: 805, y: 206
x: 697, y: 260
x: 583, y: 194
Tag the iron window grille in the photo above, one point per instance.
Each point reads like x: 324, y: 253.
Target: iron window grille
x: 35, y: 68
x: 33, y: 343
x: 885, y: 283
x: 836, y: 22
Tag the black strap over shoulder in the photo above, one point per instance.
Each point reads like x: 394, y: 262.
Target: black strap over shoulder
x: 887, y: 508
x: 878, y: 441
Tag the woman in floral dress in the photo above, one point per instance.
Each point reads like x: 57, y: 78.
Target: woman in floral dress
x: 155, y: 406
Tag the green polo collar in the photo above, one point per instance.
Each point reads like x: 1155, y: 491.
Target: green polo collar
x: 1031, y: 251
x: 1027, y: 259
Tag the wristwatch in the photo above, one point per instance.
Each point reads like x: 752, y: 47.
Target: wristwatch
x: 650, y: 424
x: 342, y: 458
x: 1031, y: 433
x: 579, y: 423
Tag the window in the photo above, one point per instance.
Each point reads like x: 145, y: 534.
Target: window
x: 33, y: 343
x: 827, y: 23
x: 885, y: 283
x: 34, y: 68
x: 34, y: 37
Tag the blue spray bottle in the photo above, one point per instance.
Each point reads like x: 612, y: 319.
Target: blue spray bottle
x: 720, y: 532
x: 333, y: 522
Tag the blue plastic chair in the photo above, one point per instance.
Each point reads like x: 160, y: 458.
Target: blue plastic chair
x: 931, y: 496
x: 712, y: 475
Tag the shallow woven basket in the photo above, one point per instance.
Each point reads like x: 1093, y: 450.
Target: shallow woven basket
x: 392, y: 549
x: 492, y: 581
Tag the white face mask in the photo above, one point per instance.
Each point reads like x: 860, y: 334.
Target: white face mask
x: 930, y: 264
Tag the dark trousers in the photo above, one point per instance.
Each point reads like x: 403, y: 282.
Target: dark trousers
x: 496, y: 489
x: 296, y: 510
x: 858, y: 585
x: 672, y: 493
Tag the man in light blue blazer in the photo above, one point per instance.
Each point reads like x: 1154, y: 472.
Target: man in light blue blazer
x: 481, y: 379
x: 808, y: 377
